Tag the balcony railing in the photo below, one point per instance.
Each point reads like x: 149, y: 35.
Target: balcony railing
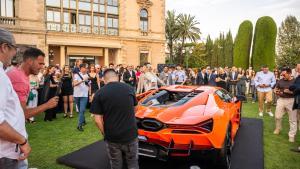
x: 57, y: 27
x: 144, y: 33
x: 7, y: 20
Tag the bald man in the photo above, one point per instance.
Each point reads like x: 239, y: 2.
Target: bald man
x: 113, y: 107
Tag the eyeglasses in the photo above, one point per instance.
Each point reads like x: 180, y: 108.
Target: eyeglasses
x: 13, y: 46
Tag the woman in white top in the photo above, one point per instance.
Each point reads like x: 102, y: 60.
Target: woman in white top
x: 33, y: 95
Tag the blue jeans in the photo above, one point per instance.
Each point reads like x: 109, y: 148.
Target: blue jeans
x: 254, y: 93
x: 23, y: 164
x: 81, y: 103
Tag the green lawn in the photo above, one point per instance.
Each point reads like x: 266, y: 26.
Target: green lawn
x: 50, y: 140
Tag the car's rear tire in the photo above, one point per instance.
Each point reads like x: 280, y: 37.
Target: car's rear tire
x: 223, y: 159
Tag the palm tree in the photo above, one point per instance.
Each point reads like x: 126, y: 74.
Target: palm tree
x: 171, y: 32
x: 187, y: 30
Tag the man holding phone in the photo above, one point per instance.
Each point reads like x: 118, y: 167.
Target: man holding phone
x: 285, y: 103
x: 264, y: 82
x: 33, y: 62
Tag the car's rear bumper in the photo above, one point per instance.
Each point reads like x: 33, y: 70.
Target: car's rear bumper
x: 161, y: 152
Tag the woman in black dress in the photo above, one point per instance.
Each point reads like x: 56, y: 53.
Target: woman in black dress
x: 50, y: 87
x: 221, y: 79
x: 95, y: 82
x: 241, y: 84
x: 67, y: 91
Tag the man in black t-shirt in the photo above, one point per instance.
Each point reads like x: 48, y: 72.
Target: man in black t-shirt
x: 113, y: 107
x: 285, y: 103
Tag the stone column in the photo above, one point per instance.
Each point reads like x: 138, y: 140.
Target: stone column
x: 117, y: 57
x: 106, y: 57
x: 62, y: 56
x: 47, y: 60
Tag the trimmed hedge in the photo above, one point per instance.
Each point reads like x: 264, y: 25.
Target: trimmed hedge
x: 263, y: 52
x: 242, y: 45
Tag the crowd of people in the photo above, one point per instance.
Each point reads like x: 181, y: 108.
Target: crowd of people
x: 29, y: 88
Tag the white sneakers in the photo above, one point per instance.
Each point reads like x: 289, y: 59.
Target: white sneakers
x: 271, y: 114
x: 291, y: 139
x: 276, y: 131
x: 261, y: 114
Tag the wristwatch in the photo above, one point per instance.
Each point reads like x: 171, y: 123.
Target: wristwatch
x: 25, y: 142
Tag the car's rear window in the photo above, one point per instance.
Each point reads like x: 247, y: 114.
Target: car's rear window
x: 168, y: 98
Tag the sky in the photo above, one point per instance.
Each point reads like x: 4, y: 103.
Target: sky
x: 217, y: 16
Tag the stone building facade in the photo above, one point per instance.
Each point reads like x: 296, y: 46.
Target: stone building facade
x: 98, y: 31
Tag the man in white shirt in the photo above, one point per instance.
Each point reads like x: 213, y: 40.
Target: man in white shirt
x: 264, y: 82
x: 81, y: 92
x: 295, y: 71
x: 164, y: 75
x: 180, y: 76
x: 13, y: 136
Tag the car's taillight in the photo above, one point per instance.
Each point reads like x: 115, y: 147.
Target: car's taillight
x: 203, y: 127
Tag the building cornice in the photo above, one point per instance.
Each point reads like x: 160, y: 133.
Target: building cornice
x: 117, y: 38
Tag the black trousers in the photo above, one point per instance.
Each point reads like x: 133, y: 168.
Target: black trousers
x: 130, y: 151
x: 50, y: 114
x: 6, y: 163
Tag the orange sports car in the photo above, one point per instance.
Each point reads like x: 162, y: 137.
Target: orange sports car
x: 176, y: 121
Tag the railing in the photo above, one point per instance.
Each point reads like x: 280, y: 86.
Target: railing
x: 144, y: 33
x: 99, y: 30
x: 112, y: 31
x: 81, y: 29
x: 7, y: 20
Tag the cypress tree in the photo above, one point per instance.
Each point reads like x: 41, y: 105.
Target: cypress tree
x: 242, y: 45
x: 263, y: 52
x: 228, y: 50
x: 209, y: 50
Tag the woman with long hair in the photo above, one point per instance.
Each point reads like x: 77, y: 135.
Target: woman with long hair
x: 33, y: 95
x: 67, y: 91
x: 241, y: 84
x: 95, y: 82
x: 221, y: 79
x: 51, y: 87
x: 141, y: 82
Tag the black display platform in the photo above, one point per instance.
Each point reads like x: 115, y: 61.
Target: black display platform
x: 247, y: 153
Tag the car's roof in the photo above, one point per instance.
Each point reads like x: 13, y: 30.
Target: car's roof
x: 181, y: 88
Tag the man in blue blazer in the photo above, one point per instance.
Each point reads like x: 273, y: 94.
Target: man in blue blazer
x: 211, y: 78
x: 201, y: 77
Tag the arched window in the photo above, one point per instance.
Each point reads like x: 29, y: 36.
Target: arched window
x: 144, y: 20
